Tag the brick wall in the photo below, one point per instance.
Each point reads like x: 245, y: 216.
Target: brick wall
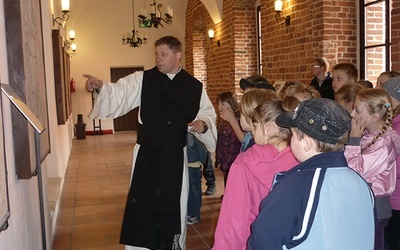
x: 318, y: 28
x: 235, y: 58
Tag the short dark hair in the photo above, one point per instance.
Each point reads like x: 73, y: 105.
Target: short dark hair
x: 350, y: 69
x: 172, y: 42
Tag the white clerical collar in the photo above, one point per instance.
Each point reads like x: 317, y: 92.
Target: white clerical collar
x: 171, y: 76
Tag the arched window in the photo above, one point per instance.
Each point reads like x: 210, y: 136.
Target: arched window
x: 374, y: 38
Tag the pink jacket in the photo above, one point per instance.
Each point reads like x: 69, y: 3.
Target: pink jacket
x: 249, y: 181
x: 377, y: 164
x: 395, y: 197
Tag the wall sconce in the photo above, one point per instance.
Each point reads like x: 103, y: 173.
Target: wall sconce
x: 65, y: 11
x: 278, y: 10
x: 70, y: 45
x: 211, y: 36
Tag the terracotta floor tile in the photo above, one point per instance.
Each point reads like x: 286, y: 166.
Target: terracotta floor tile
x: 87, y: 219
x: 114, y: 216
x: 96, y: 209
x: 62, y: 241
x: 89, y: 241
x: 87, y: 202
x: 65, y: 219
x: 98, y: 228
x: 194, y: 242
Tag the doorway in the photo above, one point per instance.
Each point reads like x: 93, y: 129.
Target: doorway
x: 128, y: 121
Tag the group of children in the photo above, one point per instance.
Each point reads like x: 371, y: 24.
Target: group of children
x: 304, y: 171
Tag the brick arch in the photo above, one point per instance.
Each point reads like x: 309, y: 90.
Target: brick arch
x: 196, y: 40
x: 235, y: 58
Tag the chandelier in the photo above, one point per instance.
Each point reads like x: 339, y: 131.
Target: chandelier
x: 134, y: 40
x: 155, y: 18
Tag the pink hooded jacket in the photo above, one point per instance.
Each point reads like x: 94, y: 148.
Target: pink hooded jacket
x: 395, y: 197
x: 377, y: 164
x: 249, y: 181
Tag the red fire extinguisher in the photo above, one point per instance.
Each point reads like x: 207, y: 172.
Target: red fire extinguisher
x: 72, y: 85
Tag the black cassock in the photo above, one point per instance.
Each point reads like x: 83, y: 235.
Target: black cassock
x: 152, y: 214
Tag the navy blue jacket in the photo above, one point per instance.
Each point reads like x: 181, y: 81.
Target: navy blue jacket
x: 319, y: 204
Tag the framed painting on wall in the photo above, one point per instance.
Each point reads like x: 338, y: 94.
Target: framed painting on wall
x: 26, y: 71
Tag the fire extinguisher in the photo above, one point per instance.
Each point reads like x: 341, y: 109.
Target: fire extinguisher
x: 72, y: 85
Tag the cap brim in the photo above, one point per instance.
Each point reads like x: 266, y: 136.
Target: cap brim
x: 244, y: 83
x: 285, y: 120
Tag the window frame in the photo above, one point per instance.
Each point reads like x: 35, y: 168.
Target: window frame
x: 387, y: 41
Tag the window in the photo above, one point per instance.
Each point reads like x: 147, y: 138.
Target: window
x: 374, y: 38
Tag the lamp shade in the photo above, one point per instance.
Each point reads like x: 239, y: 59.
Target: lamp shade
x: 73, y: 47
x: 278, y: 5
x: 72, y: 34
x: 211, y: 34
x: 65, y: 5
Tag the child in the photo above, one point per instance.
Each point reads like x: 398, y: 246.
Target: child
x: 392, y: 230
x: 228, y: 146
x: 322, y: 80
x: 297, y: 92
x: 250, y: 100
x: 251, y: 176
x: 196, y: 154
x: 320, y: 203
x: 345, y: 96
x: 253, y: 82
x: 384, y: 76
x: 371, y: 150
x: 342, y: 74
x: 365, y: 84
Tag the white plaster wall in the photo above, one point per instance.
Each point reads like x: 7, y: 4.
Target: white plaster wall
x: 99, y: 25
x: 24, y: 222
x: 24, y: 230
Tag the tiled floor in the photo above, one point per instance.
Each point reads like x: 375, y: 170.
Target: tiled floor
x: 94, y: 193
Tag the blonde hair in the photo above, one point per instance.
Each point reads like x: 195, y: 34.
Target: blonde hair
x: 347, y: 93
x: 268, y: 111
x: 365, y: 84
x: 377, y: 101
x: 390, y: 74
x: 293, y: 91
x: 324, y: 146
x: 252, y: 98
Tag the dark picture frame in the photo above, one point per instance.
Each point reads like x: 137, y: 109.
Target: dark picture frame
x: 25, y: 56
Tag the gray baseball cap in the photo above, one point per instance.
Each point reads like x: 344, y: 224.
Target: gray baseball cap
x: 320, y: 118
x: 392, y: 86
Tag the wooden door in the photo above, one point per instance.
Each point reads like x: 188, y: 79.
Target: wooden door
x: 128, y: 121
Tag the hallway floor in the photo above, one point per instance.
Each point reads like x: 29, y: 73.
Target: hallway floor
x: 94, y: 195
